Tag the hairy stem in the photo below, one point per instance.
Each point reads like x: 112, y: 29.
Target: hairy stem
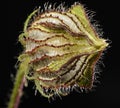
x: 20, y: 92
x: 17, y: 91
x: 18, y: 85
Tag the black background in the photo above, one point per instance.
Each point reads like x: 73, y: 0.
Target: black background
x: 107, y: 92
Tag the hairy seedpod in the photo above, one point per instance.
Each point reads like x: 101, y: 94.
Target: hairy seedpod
x: 61, y: 49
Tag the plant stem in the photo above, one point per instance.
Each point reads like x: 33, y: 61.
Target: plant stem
x: 18, y: 85
x: 17, y: 91
x: 20, y: 92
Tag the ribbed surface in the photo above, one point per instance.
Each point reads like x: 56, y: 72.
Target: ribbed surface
x: 62, y: 52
